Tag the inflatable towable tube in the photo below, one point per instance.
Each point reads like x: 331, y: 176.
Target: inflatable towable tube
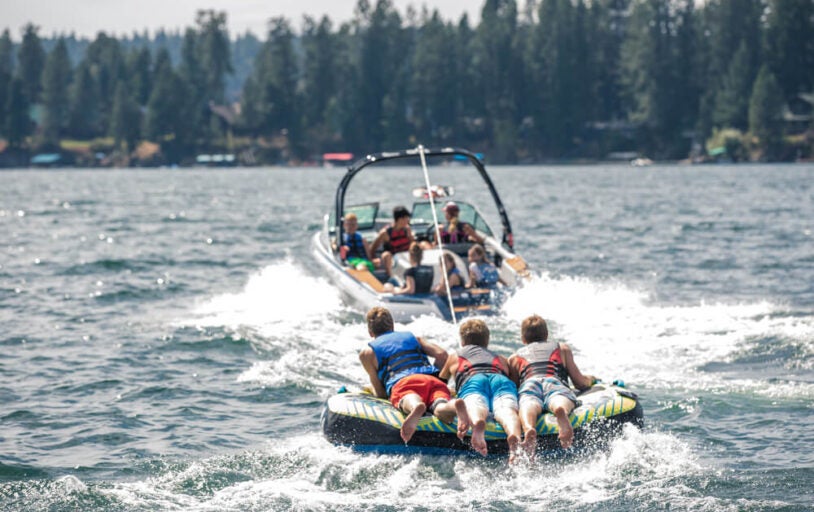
x: 366, y: 423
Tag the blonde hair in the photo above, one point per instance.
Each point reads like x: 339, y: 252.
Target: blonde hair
x: 416, y: 253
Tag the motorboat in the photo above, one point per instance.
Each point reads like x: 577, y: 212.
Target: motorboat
x: 363, y: 288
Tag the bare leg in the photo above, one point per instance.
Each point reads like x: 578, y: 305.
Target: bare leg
x: 528, y: 419
x: 387, y: 263
x: 447, y: 411
x: 477, y: 416
x: 510, y: 422
x: 478, y: 437
x: 562, y: 407
x: 415, y: 408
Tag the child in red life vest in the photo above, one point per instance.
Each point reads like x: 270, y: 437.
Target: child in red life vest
x: 482, y: 381
x: 541, y: 369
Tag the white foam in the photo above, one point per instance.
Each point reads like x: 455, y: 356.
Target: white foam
x: 280, y: 294
x: 616, y: 334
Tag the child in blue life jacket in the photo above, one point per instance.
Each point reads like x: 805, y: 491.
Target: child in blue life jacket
x: 482, y: 272
x: 354, y: 248
x: 399, y: 368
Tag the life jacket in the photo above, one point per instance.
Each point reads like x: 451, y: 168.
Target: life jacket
x: 454, y: 237
x: 541, y: 359
x: 451, y: 272
x: 489, y: 276
x: 398, y: 355
x: 474, y: 359
x: 356, y: 246
x: 398, y: 240
x: 423, y: 276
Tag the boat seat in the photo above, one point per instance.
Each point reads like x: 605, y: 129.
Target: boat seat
x: 367, y: 277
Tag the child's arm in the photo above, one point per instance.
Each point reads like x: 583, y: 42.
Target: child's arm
x: 369, y: 363
x: 580, y: 380
x: 514, y: 372
x: 450, y: 368
x: 438, y: 354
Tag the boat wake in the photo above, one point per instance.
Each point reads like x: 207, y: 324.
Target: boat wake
x: 618, y: 333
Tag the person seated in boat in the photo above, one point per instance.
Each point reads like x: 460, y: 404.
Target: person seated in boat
x: 482, y: 380
x: 354, y: 250
x: 455, y: 231
x: 541, y: 369
x: 399, y: 369
x: 394, y: 238
x: 418, y: 278
x: 453, y: 277
x: 482, y: 272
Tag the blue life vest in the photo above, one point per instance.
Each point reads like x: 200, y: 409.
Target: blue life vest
x: 488, y: 275
x: 356, y: 247
x: 398, y: 355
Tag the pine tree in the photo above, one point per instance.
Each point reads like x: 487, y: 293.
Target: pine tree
x: 790, y: 44
x: 498, y: 68
x: 124, y: 119
x: 732, y: 98
x: 56, y: 79
x: 139, y: 74
x: 83, y: 114
x: 319, y: 80
x: 432, y: 83
x: 765, y: 113
x: 6, y: 74
x: 18, y: 123
x: 31, y: 60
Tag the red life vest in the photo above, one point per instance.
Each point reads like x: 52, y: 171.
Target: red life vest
x: 474, y: 359
x: 541, y: 359
x: 398, y: 241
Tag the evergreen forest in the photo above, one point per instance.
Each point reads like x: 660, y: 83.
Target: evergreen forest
x: 531, y: 81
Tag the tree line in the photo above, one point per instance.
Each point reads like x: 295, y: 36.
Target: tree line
x: 545, y: 80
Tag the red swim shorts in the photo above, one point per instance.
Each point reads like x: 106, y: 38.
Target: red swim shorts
x: 427, y: 387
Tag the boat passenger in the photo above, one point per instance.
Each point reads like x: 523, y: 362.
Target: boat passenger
x: 541, y: 369
x: 418, y: 278
x: 394, y: 238
x: 399, y: 369
x: 482, y: 272
x: 457, y: 231
x: 354, y: 250
x: 482, y: 379
x: 454, y: 277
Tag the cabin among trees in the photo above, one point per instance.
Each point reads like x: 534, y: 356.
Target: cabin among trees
x: 533, y: 81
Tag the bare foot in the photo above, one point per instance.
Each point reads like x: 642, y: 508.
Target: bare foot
x: 464, y: 423
x: 566, y: 435
x: 529, y: 444
x: 411, y: 421
x: 478, y: 437
x: 513, y: 442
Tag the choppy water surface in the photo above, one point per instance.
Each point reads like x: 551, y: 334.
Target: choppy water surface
x: 167, y: 341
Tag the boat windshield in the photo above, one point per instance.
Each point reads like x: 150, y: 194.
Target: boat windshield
x: 422, y: 215
x: 365, y: 213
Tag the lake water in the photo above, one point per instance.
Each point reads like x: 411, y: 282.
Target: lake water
x: 168, y: 342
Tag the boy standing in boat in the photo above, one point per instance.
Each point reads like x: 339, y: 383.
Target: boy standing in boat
x: 542, y: 368
x: 482, y: 381
x: 399, y: 368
